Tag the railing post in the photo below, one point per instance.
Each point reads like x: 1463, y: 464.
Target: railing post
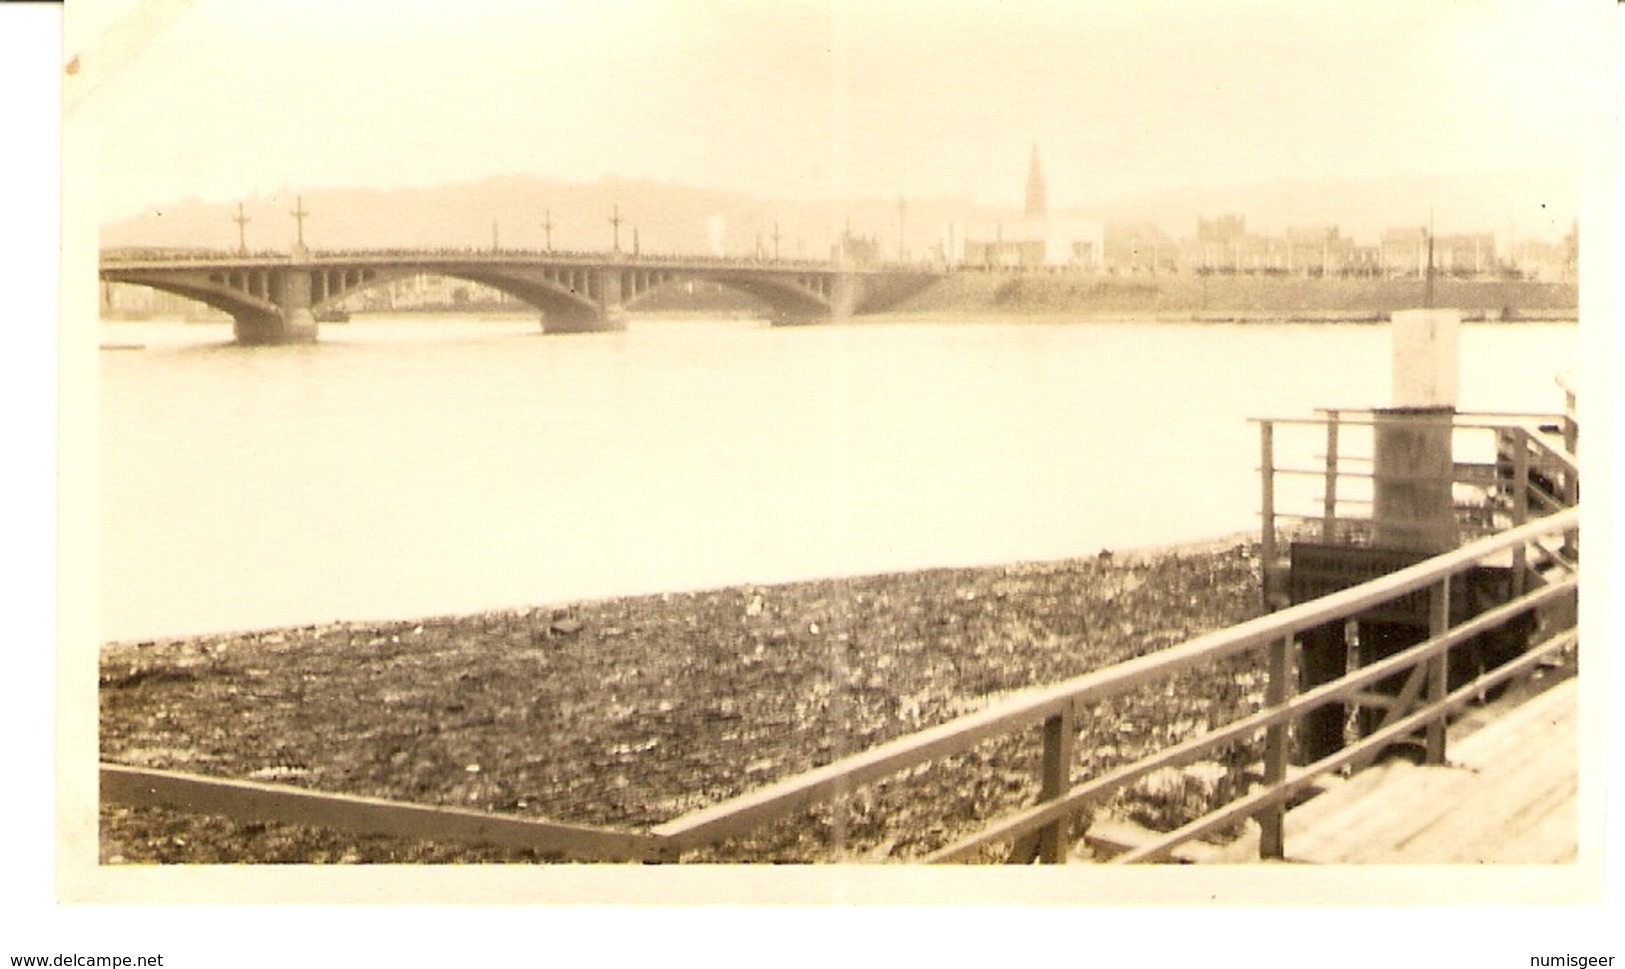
x: 1571, y: 425
x: 1520, y: 481
x: 1571, y: 481
x: 1272, y: 822
x: 1438, y: 668
x: 1328, y: 521
x: 1059, y: 733
x: 1266, y: 475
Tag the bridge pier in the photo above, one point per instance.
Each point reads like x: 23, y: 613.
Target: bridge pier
x: 292, y: 322
x: 608, y: 315
x: 558, y: 324
x: 845, y: 290
x: 256, y: 330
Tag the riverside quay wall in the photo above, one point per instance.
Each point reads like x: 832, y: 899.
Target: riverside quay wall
x: 1217, y: 297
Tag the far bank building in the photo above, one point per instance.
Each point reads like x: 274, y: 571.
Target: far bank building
x: 1035, y: 241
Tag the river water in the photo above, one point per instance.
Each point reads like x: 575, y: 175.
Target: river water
x: 414, y: 467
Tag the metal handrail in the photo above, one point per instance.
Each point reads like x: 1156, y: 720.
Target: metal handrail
x: 1340, y: 689
x: 1058, y: 705
x: 1275, y: 796
x: 1514, y: 492
x: 1461, y: 420
x: 254, y: 801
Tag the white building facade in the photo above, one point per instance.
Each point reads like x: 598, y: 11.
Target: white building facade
x: 1033, y: 242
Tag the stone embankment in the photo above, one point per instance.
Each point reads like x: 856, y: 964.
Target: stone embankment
x: 630, y: 712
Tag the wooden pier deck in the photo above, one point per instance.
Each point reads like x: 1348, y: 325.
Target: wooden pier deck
x: 1506, y: 796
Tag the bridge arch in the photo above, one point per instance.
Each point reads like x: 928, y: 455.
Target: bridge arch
x: 246, y: 296
x: 791, y: 296
x: 561, y: 293
x: 786, y: 295
x: 577, y: 295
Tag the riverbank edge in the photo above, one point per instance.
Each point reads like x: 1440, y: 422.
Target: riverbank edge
x: 1217, y: 317
x: 946, y: 641
x: 1134, y: 555
x: 1235, y: 298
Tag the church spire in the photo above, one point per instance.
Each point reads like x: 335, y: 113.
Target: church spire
x: 1037, y: 205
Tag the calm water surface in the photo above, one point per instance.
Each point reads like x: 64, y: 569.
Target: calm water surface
x: 407, y: 467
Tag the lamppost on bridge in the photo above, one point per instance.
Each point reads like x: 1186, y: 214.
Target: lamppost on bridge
x: 495, y: 243
x: 1427, y: 278
x: 615, y: 220
x: 242, y: 224
x: 635, y: 247
x: 547, y: 227
x: 299, y: 213
x: 775, y: 240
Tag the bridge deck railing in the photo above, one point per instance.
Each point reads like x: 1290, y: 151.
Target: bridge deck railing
x: 134, y: 259
x: 1318, y: 477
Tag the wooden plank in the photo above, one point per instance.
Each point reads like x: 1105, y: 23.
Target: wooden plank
x: 251, y: 801
x: 1444, y: 815
x: 1549, y: 710
x: 1489, y: 824
x: 1529, y: 785
x: 1311, y: 826
x: 1405, y: 800
x: 1251, y: 804
x: 1513, y: 803
x: 1549, y: 840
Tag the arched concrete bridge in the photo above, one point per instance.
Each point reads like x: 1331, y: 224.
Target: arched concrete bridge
x: 275, y: 299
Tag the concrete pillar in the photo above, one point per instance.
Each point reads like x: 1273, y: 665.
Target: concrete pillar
x: 1414, y: 507
x: 609, y: 292
x: 603, y: 288
x: 294, y: 323
x: 1414, y: 458
x: 843, y: 295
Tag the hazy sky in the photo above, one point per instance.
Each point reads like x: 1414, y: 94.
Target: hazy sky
x: 819, y: 98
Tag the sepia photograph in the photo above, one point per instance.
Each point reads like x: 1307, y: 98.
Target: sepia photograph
x: 816, y: 452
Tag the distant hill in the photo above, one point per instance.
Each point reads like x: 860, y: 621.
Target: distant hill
x: 662, y: 217
x: 665, y: 217
x: 1535, y: 204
